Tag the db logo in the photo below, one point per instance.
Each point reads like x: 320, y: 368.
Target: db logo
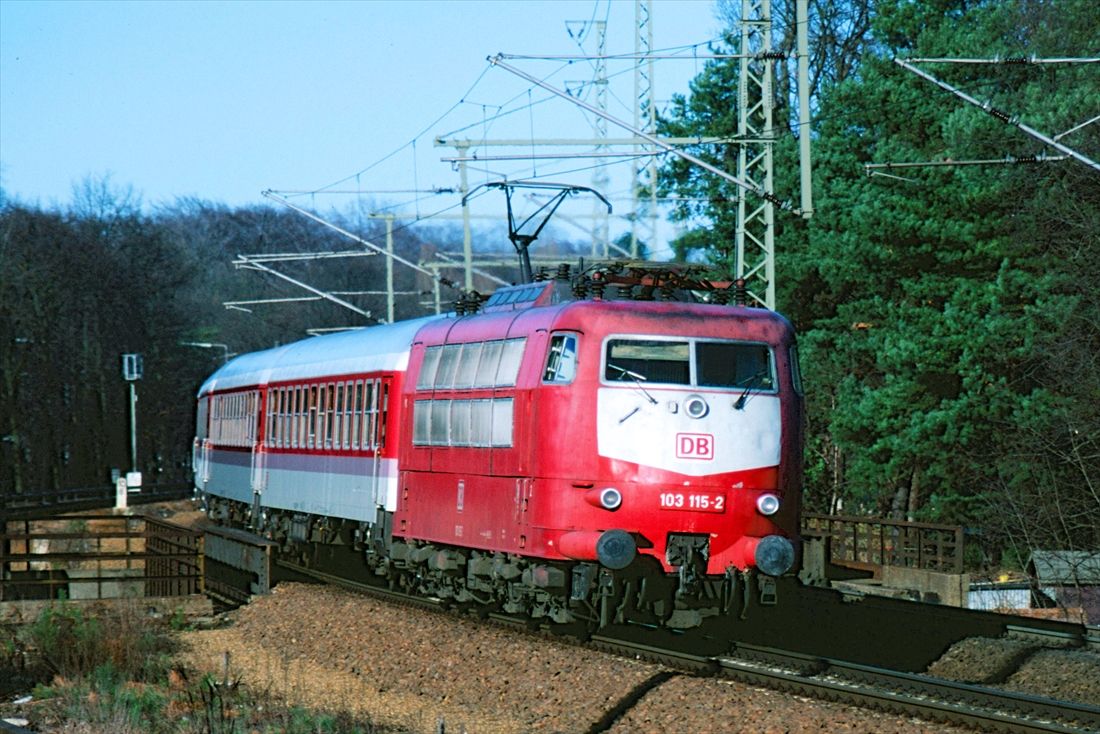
x: 694, y: 446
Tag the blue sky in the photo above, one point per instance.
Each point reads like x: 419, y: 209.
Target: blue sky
x: 222, y: 100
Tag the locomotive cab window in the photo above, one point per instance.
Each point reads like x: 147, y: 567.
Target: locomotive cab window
x: 647, y: 360
x: 561, y: 359
x: 733, y: 364
x: 695, y: 362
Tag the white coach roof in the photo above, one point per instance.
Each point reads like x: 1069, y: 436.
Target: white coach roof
x: 376, y: 348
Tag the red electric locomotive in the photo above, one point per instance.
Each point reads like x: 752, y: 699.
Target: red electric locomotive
x: 582, y: 460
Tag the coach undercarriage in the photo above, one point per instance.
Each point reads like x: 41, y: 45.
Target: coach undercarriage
x: 576, y: 595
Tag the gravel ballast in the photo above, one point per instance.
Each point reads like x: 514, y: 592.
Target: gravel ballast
x: 328, y: 648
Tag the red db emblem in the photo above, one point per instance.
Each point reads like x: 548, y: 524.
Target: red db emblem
x: 694, y: 446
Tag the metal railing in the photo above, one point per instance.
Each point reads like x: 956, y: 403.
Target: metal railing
x: 867, y: 543
x: 98, y: 557
x: 42, y: 503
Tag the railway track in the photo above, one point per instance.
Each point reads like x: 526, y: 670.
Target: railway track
x: 876, y: 688
x: 880, y: 689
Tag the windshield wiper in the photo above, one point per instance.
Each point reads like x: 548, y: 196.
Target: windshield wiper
x: 740, y: 404
x: 635, y: 378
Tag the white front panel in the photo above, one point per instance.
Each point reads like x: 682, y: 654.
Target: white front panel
x: 662, y: 435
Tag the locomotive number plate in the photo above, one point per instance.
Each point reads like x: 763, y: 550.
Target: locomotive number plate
x: 693, y: 501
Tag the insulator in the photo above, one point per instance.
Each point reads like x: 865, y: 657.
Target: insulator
x: 1000, y: 115
x: 580, y: 288
x: 668, y: 292
x: 541, y: 275
x: 721, y: 297
x: 740, y: 292
x: 563, y: 272
x: 596, y: 288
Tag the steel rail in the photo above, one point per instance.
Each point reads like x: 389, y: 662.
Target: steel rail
x: 934, y: 699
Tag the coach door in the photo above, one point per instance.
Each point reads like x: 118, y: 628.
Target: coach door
x: 378, y: 407
x: 200, y: 450
x: 258, y: 463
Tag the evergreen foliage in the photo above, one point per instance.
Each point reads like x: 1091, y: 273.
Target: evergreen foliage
x: 949, y: 316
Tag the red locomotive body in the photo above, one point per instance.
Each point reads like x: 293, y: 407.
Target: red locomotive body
x: 543, y: 456
x: 668, y: 470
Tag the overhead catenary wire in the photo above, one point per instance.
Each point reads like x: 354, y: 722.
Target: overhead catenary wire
x: 1005, y: 60
x: 748, y: 186
x: 1001, y: 115
x: 366, y: 243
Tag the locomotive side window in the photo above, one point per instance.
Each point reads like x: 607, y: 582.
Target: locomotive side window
x: 477, y: 423
x: 481, y: 422
x: 648, y: 360
x: 510, y: 357
x: 421, y: 423
x: 448, y: 365
x: 733, y: 364
x: 487, y: 366
x: 467, y: 365
x: 460, y: 423
x: 438, y: 434
x: 796, y: 372
x: 426, y: 379
x: 561, y: 360
x: 471, y: 365
x: 502, y: 422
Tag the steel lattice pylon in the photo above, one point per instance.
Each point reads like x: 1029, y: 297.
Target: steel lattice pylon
x: 755, y: 262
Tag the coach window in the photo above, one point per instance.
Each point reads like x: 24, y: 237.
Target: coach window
x: 272, y: 412
x: 383, y: 412
x: 295, y: 410
x: 338, y: 416
x: 202, y: 430
x: 561, y: 360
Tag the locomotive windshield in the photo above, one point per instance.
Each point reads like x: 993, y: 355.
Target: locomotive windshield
x: 722, y: 364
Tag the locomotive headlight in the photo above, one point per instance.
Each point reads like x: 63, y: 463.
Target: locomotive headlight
x: 610, y: 498
x: 695, y: 406
x: 767, y: 504
x: 607, y: 498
